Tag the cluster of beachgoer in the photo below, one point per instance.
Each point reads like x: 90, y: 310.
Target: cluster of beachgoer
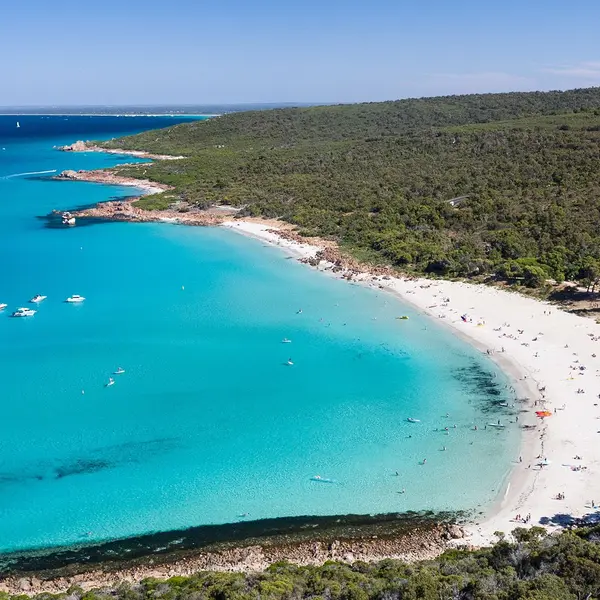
x: 525, y: 338
x: 523, y: 519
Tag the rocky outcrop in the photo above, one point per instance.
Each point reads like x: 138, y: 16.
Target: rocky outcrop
x: 79, y: 146
x: 126, y: 210
x: 68, y: 174
x: 111, y: 178
x: 412, y: 546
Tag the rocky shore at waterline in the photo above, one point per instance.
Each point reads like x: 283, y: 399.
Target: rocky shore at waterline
x: 81, y: 146
x: 126, y: 210
x: 111, y: 178
x: 418, y: 543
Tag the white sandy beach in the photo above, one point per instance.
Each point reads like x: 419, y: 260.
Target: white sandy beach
x: 544, y: 347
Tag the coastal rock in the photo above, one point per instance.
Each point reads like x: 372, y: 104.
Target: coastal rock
x: 68, y: 174
x: 24, y: 584
x: 418, y: 544
x: 79, y: 146
x: 454, y: 532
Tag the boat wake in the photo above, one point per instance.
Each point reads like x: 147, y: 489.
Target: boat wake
x: 26, y: 174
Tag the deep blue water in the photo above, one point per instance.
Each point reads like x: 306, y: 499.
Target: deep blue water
x: 208, y: 423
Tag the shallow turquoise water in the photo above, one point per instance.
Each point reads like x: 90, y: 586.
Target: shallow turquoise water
x: 208, y: 423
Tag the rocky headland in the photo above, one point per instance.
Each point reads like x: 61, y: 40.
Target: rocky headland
x: 81, y: 146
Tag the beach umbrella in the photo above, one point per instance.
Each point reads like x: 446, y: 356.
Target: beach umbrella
x: 543, y: 413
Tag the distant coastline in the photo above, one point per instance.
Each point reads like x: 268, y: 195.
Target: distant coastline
x: 107, y: 114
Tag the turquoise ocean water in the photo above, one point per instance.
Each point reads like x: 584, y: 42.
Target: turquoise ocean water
x: 208, y: 423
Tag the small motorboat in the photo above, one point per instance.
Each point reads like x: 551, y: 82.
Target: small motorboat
x: 3, y: 306
x: 498, y: 425
x: 24, y: 312
x: 505, y: 404
x: 75, y: 298
x: 286, y: 341
x: 38, y: 298
x: 120, y: 371
x: 111, y: 381
x: 322, y: 479
x: 403, y: 318
x: 68, y: 219
x: 411, y: 420
x: 289, y: 363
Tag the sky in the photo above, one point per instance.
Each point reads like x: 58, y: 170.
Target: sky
x: 119, y: 52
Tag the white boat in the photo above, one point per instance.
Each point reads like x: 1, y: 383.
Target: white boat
x: 289, y: 363
x: 24, y: 312
x: 498, y: 425
x: 286, y: 341
x: 322, y: 479
x: 119, y: 371
x: 111, y: 381
x: 411, y: 420
x: 3, y: 306
x: 38, y: 298
x: 18, y: 125
x: 68, y: 219
x: 75, y: 298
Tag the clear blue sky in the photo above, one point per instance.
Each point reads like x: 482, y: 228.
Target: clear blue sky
x: 231, y: 51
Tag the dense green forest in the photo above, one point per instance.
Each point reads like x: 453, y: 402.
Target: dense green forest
x: 533, y: 567
x: 504, y: 185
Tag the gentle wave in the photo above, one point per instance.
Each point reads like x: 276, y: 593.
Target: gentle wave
x: 30, y: 173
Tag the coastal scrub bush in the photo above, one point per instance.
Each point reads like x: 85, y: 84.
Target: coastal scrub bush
x: 530, y: 565
x: 457, y: 186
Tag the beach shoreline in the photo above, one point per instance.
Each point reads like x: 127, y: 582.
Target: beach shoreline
x: 551, y: 354
x: 536, y: 344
